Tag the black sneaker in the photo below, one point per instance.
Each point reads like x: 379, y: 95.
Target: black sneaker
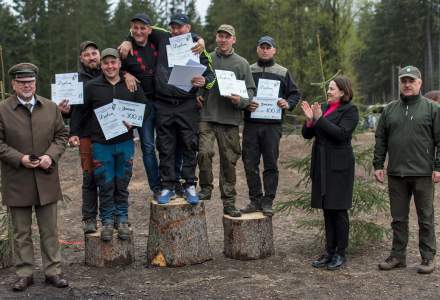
x: 123, y: 231
x: 266, y: 206
x: 90, y: 226
x: 107, y: 232
x: 232, y: 211
x: 251, y: 208
x: 205, y: 194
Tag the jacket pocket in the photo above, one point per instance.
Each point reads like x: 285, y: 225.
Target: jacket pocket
x: 341, y: 159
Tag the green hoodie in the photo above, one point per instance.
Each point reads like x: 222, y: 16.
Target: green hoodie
x: 409, y: 130
x: 219, y: 109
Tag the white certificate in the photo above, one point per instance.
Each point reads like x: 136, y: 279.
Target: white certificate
x: 267, y: 109
x: 225, y: 81
x: 181, y: 75
x: 111, y: 124
x: 268, y: 88
x: 179, y: 50
x: 130, y: 112
x: 239, y: 88
x: 70, y: 90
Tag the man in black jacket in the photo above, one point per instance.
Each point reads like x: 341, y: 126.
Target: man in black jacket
x: 261, y: 136
x: 178, y: 117
x: 112, y: 158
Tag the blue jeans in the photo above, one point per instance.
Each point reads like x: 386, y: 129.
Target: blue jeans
x: 113, y: 170
x: 146, y: 135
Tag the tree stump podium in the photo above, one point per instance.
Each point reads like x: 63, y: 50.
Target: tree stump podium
x: 248, y: 237
x: 113, y: 253
x: 178, y: 234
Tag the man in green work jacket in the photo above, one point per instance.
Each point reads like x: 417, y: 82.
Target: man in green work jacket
x: 409, y: 130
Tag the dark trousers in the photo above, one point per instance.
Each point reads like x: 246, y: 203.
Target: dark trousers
x: 336, y: 231
x: 261, y: 140
x: 89, y: 189
x: 177, y: 126
x: 401, y: 189
x: 113, y: 171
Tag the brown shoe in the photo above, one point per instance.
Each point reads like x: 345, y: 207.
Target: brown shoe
x: 57, y: 281
x: 392, y: 263
x: 426, y: 267
x: 22, y: 283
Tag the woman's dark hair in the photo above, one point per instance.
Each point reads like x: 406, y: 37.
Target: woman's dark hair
x: 344, y: 84
x: 433, y: 95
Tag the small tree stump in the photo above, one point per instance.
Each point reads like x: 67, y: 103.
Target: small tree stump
x: 113, y: 253
x: 6, y: 257
x: 178, y: 234
x: 248, y: 237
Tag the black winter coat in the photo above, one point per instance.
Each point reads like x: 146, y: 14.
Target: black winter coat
x: 332, y: 165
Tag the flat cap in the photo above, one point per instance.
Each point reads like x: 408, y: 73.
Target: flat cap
x: 410, y: 71
x: 83, y: 46
x: 266, y: 40
x: 109, y: 52
x: 227, y: 28
x: 141, y: 17
x: 180, y: 19
x: 23, y: 70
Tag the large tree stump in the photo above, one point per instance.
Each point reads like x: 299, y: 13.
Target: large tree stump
x: 113, y: 253
x: 178, y: 234
x: 248, y: 237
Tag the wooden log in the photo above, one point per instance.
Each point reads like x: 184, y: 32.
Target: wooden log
x: 112, y: 253
x: 248, y: 237
x: 178, y: 234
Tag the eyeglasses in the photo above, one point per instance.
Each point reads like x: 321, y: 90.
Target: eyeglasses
x: 23, y: 83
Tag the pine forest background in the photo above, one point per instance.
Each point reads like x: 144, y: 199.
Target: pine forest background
x: 367, y: 40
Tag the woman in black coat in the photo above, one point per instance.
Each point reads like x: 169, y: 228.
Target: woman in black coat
x: 332, y: 165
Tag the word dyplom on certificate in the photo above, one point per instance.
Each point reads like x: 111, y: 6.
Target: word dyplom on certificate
x: 130, y: 112
x: 111, y: 124
x: 67, y: 87
x: 179, y: 50
x: 229, y: 85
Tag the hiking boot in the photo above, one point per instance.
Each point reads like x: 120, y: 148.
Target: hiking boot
x: 165, y: 196
x: 322, y: 261
x: 191, y: 195
x: 205, y: 194
x: 123, y: 231
x: 266, y: 206
x: 89, y: 226
x: 232, y: 211
x: 426, y: 267
x: 252, y: 207
x: 392, y: 263
x: 336, y: 262
x: 107, y: 232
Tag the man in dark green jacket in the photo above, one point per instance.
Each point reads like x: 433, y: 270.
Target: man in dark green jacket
x: 220, y: 117
x: 409, y: 130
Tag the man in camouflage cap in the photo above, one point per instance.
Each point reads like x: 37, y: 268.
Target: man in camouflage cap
x: 32, y: 140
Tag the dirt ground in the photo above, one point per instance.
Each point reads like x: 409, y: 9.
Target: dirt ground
x: 286, y: 275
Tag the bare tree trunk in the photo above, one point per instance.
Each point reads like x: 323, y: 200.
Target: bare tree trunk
x: 429, y: 71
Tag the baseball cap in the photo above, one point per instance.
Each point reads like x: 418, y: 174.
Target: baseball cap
x: 141, y: 17
x: 180, y: 19
x: 266, y: 40
x: 83, y: 46
x: 109, y: 52
x: 227, y: 28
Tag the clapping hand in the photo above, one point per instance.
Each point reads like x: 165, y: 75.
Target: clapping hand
x: 317, y: 112
x: 307, y: 110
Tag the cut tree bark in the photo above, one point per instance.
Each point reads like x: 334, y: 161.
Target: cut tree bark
x: 178, y: 234
x: 248, y: 237
x: 113, y: 253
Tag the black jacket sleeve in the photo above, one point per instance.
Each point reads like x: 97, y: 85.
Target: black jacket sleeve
x: 292, y: 94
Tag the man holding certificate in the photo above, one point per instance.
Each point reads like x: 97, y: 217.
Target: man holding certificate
x: 276, y: 92
x: 220, y: 117
x: 112, y: 142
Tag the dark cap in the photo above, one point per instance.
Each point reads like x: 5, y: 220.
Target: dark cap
x: 266, y: 40
x: 410, y: 71
x: 180, y: 19
x: 109, y: 52
x: 141, y: 17
x: 83, y: 46
x: 23, y: 70
x: 227, y: 28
